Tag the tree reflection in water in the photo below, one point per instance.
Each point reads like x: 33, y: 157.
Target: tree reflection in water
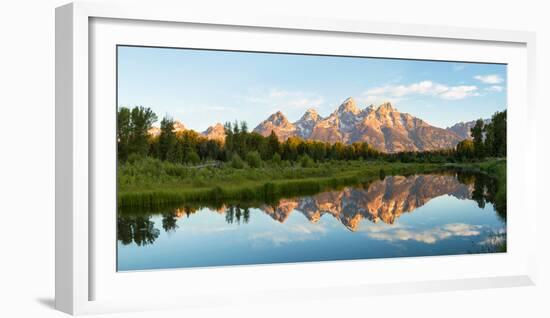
x: 138, y: 229
x: 410, y: 192
x: 485, y: 191
x: 236, y: 213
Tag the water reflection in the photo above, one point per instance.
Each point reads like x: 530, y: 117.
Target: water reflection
x: 384, y: 200
x: 137, y: 229
x: 235, y: 214
x: 429, y: 236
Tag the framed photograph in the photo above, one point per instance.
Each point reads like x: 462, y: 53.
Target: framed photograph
x: 215, y: 157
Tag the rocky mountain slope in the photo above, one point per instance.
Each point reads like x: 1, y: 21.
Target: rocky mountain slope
x: 178, y: 127
x: 462, y: 129
x: 216, y: 132
x: 279, y: 124
x: 382, y: 127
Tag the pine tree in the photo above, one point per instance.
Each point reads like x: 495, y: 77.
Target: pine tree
x: 167, y: 140
x: 477, y: 135
x: 273, y: 144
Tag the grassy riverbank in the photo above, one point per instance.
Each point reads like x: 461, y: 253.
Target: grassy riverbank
x: 150, y: 182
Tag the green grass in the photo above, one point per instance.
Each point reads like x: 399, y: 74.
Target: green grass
x: 149, y: 183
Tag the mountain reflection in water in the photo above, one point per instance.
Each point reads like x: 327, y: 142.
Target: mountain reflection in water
x: 380, y: 201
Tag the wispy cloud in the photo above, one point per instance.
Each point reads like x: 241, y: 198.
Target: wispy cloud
x: 429, y: 236
x: 459, y: 92
x: 494, y: 88
x: 277, y: 99
x: 377, y: 99
x: 220, y: 108
x: 429, y: 88
x: 489, y: 79
x: 290, y: 233
x: 195, y: 110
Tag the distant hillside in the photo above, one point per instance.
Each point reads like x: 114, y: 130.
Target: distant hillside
x: 462, y: 129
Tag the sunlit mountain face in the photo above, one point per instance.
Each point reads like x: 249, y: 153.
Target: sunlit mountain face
x: 383, y: 127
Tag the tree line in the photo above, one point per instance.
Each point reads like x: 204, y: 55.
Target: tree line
x: 488, y: 139
x: 244, y: 148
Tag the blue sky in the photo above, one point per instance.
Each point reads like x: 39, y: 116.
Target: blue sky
x: 200, y: 87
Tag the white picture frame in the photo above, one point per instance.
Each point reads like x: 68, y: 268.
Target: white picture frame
x: 77, y: 156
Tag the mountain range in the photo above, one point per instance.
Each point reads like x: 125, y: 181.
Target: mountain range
x: 178, y: 127
x: 383, y: 127
x: 215, y: 132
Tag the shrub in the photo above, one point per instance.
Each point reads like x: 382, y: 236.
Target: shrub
x: 193, y: 158
x: 306, y: 161
x: 286, y: 164
x: 134, y: 157
x: 276, y: 159
x: 253, y: 159
x: 237, y: 162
